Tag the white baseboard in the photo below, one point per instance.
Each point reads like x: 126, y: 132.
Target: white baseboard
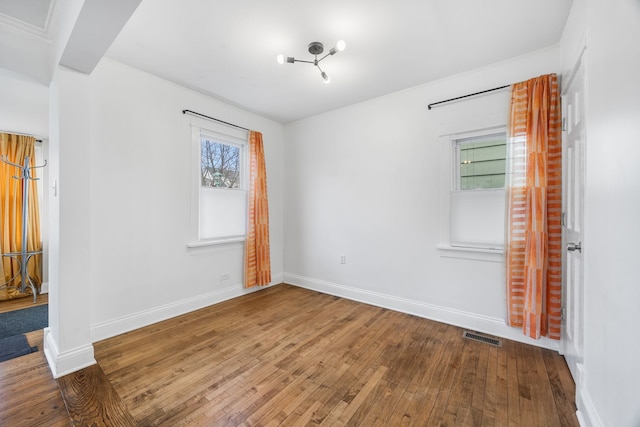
x: 44, y: 288
x: 69, y: 361
x: 586, y: 413
x: 111, y: 328
x: 473, y: 321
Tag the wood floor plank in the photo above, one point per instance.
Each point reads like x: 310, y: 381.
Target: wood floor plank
x: 479, y: 402
x: 92, y: 401
x: 513, y: 393
x: 490, y: 391
x: 501, y: 388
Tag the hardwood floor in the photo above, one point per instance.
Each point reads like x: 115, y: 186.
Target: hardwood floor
x: 91, y: 400
x: 29, y: 396
x: 26, y: 302
x: 290, y: 356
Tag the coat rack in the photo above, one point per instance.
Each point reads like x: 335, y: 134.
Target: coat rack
x: 24, y: 255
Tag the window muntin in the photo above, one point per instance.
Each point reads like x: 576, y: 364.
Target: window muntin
x: 480, y: 162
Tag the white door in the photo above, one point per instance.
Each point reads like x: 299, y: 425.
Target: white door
x: 573, y: 195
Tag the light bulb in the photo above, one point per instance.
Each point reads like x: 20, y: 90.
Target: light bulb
x: 280, y: 59
x: 341, y: 45
x: 325, y: 77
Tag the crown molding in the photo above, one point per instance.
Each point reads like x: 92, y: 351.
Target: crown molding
x: 19, y: 27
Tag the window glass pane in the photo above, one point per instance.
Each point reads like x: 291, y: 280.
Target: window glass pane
x: 482, y: 162
x: 219, y: 164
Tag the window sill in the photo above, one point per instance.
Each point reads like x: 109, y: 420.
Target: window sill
x: 478, y: 254
x: 204, y: 243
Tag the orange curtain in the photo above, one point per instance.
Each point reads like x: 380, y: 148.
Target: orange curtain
x: 534, y: 205
x: 257, y: 259
x: 15, y: 148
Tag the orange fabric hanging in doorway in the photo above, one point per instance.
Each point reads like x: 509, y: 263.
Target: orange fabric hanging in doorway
x: 534, y: 199
x: 257, y: 259
x: 15, y: 148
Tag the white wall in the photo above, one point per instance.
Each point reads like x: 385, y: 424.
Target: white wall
x: 612, y: 202
x: 25, y: 105
x: 141, y: 270
x: 365, y: 181
x: 67, y: 338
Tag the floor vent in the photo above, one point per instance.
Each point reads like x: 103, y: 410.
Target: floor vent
x: 482, y: 338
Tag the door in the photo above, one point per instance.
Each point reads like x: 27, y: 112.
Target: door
x: 574, y: 138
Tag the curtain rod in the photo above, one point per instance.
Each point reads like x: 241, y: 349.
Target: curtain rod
x: 466, y: 96
x: 213, y: 118
x: 38, y: 138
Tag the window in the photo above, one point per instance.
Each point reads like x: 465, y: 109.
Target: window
x: 219, y: 197
x: 476, y: 195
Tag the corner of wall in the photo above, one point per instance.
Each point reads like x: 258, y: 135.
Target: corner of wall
x: 462, y: 319
x: 144, y: 318
x: 69, y: 361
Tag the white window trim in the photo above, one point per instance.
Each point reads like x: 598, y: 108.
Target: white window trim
x: 213, y: 242
x: 223, y: 134
x: 468, y: 252
x: 448, y: 173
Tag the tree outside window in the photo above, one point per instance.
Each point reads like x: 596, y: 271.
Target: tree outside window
x: 219, y: 164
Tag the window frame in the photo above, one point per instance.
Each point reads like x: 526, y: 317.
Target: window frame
x: 450, y: 168
x: 227, y: 136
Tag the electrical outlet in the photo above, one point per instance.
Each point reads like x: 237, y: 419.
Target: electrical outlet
x: 225, y: 276
x: 343, y: 259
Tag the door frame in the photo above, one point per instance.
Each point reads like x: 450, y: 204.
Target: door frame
x: 573, y: 358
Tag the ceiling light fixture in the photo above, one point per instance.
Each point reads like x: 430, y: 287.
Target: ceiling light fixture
x: 316, y: 48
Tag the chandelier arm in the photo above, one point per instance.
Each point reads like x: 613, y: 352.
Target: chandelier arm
x: 328, y: 54
x: 324, y: 75
x: 316, y: 49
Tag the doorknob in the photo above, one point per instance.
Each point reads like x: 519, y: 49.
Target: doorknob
x: 574, y: 247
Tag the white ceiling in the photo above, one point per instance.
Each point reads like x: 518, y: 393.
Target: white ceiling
x: 228, y: 48
x: 26, y: 38
x: 30, y: 12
